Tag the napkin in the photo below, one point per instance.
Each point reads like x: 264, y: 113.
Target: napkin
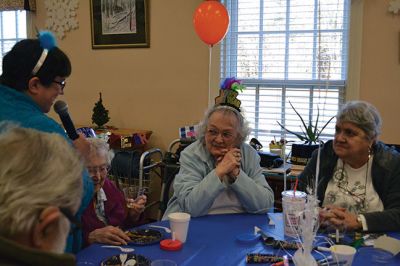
x: 387, y: 243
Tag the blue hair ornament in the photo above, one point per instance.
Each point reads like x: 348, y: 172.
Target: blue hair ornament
x: 47, y: 40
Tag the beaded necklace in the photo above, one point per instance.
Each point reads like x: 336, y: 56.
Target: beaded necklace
x: 358, y: 198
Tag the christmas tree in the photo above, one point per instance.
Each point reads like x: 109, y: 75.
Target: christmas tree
x: 100, y: 114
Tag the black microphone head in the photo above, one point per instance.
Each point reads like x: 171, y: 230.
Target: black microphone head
x: 61, y: 107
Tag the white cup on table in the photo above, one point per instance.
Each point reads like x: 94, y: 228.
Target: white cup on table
x: 343, y: 253
x: 293, y: 204
x: 179, y: 223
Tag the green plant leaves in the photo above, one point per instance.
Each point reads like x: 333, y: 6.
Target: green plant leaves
x: 310, y: 132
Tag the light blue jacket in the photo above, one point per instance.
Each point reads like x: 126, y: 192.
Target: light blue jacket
x: 20, y: 109
x: 196, y: 185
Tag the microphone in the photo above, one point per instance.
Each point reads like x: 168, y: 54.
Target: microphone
x: 61, y: 109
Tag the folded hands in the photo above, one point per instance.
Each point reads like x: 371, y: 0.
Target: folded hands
x: 337, y: 217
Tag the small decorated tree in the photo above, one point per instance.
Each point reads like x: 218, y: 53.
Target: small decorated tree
x: 100, y: 114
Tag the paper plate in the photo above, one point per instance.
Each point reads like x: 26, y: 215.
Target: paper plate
x: 248, y: 238
x: 375, y: 255
x: 145, y: 236
x: 126, y: 260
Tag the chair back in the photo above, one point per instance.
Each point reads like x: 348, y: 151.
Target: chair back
x: 170, y: 170
x: 396, y: 147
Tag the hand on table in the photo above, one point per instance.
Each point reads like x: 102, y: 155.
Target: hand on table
x: 339, y: 218
x: 325, y: 214
x: 108, y: 235
x: 228, y: 164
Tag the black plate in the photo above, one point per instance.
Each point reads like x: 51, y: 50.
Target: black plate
x: 144, y: 236
x: 116, y: 260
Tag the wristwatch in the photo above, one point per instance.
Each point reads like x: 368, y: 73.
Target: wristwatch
x: 359, y: 221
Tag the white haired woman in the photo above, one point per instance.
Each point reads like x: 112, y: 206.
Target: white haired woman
x: 219, y: 173
x: 359, y: 181
x: 107, y: 212
x: 40, y: 191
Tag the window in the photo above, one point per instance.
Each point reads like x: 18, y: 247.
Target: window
x: 287, y: 51
x: 12, y: 30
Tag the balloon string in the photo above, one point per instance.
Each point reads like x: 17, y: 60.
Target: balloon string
x: 284, y: 161
x: 209, y: 77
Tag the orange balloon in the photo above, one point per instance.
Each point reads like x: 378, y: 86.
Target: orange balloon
x: 211, y: 21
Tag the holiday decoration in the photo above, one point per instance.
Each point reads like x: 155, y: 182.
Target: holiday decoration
x: 394, y: 6
x: 188, y: 132
x: 228, y: 93
x: 100, y: 114
x: 61, y: 16
x: 309, y: 224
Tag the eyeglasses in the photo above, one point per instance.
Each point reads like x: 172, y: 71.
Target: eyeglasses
x: 226, y: 135
x: 102, y: 169
x: 72, y: 219
x: 61, y: 83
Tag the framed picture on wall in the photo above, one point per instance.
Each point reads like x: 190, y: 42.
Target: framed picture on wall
x: 119, y: 23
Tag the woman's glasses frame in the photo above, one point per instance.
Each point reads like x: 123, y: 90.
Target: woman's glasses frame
x: 61, y: 83
x: 226, y: 135
x: 102, y: 169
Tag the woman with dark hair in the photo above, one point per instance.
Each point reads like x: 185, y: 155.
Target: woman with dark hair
x: 359, y: 180
x: 34, y: 73
x: 20, y: 61
x: 33, y: 77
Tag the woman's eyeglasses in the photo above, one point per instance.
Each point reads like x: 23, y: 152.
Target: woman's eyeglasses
x: 61, y: 83
x: 102, y: 169
x: 226, y: 135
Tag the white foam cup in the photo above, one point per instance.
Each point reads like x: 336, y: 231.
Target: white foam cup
x: 179, y: 223
x: 293, y: 204
x: 343, y: 253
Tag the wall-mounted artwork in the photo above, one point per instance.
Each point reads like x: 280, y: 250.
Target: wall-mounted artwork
x: 119, y: 23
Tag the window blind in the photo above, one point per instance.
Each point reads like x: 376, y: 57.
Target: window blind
x: 12, y: 30
x: 287, y: 51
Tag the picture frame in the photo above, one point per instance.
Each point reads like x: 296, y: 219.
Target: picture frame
x: 119, y: 24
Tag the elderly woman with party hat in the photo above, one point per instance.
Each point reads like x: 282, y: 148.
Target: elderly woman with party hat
x: 359, y: 178
x: 219, y: 173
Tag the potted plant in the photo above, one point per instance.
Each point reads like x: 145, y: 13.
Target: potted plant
x: 310, y: 136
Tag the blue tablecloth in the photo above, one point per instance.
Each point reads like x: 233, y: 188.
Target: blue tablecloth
x: 212, y: 240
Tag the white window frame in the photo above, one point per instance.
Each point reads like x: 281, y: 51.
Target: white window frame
x: 229, y: 68
x: 18, y: 35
